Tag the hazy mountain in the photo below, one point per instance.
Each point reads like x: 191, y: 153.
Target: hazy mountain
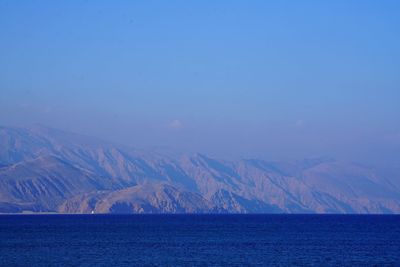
x: 146, y: 198
x: 44, y: 169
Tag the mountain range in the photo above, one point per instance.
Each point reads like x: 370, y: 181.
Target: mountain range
x: 49, y: 170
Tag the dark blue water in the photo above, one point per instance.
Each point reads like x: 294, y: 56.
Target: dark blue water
x: 199, y: 240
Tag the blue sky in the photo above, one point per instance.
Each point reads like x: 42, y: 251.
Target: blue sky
x: 272, y: 79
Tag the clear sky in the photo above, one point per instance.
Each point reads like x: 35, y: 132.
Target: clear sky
x: 234, y: 79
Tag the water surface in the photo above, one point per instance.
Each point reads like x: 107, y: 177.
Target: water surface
x: 199, y: 240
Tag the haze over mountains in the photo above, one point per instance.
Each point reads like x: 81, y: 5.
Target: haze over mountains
x: 48, y: 170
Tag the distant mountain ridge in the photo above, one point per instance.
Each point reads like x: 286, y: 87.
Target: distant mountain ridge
x: 49, y: 170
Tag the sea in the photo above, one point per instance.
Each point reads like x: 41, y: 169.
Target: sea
x: 199, y: 240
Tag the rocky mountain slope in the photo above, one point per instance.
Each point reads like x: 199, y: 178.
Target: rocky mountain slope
x: 44, y: 169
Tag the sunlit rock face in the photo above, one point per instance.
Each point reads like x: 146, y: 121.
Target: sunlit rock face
x: 44, y: 169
